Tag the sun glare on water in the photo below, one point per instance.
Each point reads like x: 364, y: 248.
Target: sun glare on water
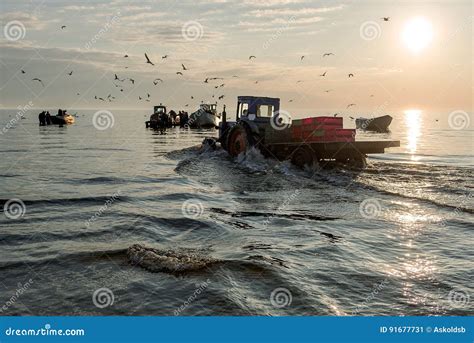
x: 417, y: 34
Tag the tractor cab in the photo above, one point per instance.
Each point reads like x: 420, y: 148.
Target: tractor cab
x: 257, y: 109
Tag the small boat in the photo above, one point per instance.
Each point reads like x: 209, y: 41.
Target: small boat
x: 159, y: 118
x: 62, y: 120
x: 205, y: 117
x: 378, y: 124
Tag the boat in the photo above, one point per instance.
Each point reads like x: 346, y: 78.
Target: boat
x: 205, y: 117
x: 377, y: 124
x: 62, y: 120
x: 159, y: 118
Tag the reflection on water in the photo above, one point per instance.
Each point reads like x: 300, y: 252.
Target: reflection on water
x: 413, y: 124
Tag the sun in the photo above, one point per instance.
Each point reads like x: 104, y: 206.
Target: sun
x: 417, y: 34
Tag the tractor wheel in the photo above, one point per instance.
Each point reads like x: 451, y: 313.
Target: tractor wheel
x: 357, y: 162
x: 239, y: 140
x: 303, y: 156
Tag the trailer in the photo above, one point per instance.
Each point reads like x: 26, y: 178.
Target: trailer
x: 261, y: 124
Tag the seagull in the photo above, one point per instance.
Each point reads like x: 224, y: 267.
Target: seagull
x: 23, y: 72
x: 301, y: 58
x: 117, y: 78
x: 148, y: 95
x: 165, y: 56
x: 179, y: 73
x: 63, y: 27
x: 291, y: 100
x: 371, y: 95
x: 350, y: 75
x: 155, y: 81
x: 335, y: 114
x: 206, y: 80
x: 256, y: 82
x: 299, y: 81
x: 95, y: 97
x: 70, y: 73
x: 148, y: 60
x: 385, y: 18
x: 328, y: 90
x: 132, y: 81
x: 222, y: 85
x: 139, y: 98
x: 125, y: 56
x: 323, y: 74
x: 250, y: 57
x: 221, y: 97
x: 184, y: 67
x: 101, y: 99
x: 328, y: 54
x: 216, y: 87
x: 36, y: 79
x: 234, y: 76
x: 121, y: 90
x: 192, y: 97
x: 216, y: 78
x: 186, y: 105
x: 350, y: 105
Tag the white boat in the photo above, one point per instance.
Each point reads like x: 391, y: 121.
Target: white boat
x: 206, y: 116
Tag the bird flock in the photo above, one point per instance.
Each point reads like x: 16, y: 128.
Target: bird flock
x: 120, y: 82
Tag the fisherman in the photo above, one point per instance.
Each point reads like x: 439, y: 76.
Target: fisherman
x: 163, y: 122
x: 42, y: 119
x: 48, y: 118
x: 60, y: 112
x: 184, y: 119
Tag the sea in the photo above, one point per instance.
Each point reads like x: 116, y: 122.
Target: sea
x: 225, y: 236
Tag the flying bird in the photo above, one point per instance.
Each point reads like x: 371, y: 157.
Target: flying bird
x: 350, y: 75
x: 70, y: 73
x: 184, y: 67
x: 256, y: 82
x: 186, y: 105
x: 328, y: 54
x: 350, y: 105
x: 139, y: 98
x: 216, y: 87
x: 148, y: 60
x: 132, y: 81
x: 192, y: 97
x: 125, y: 56
x: 323, y: 74
x: 299, y: 81
x: 371, y: 95
x: 23, y: 72
x: 179, y: 73
x: 301, y: 58
x: 385, y: 18
x: 36, y: 79
x: 250, y: 57
x: 221, y: 97
x: 335, y: 114
x: 165, y: 56
x: 63, y: 27
x: 328, y: 90
x: 148, y: 95
x: 117, y: 78
x: 234, y: 76
x: 222, y: 85
x: 102, y: 99
x: 291, y: 100
x: 206, y: 81
x: 155, y: 81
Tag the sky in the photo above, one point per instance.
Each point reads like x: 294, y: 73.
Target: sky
x: 421, y: 57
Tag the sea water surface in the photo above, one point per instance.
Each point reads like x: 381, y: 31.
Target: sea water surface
x: 255, y: 236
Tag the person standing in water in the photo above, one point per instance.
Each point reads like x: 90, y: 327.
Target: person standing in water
x: 48, y: 118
